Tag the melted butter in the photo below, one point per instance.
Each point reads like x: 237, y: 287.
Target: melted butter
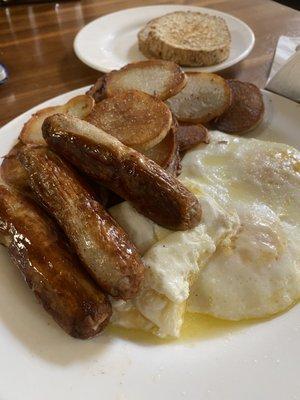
x: 196, y: 327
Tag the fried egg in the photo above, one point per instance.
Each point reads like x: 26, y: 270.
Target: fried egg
x: 257, y: 274
x: 172, y: 260
x: 243, y: 260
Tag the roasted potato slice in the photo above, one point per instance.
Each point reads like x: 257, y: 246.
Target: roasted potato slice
x: 158, y: 78
x: 135, y: 118
x: 97, y: 91
x: 205, y: 97
x: 166, y: 153
x: 79, y: 106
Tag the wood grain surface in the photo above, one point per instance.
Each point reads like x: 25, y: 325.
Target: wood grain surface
x: 36, y: 45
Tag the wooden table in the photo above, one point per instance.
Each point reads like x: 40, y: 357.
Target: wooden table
x: 36, y: 45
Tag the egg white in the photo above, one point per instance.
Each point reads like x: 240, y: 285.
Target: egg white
x: 172, y: 260
x: 258, y: 273
x: 243, y: 260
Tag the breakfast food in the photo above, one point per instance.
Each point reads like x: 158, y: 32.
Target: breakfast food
x: 12, y: 171
x: 99, y: 242
x: 79, y: 106
x: 187, y: 38
x: 51, y: 271
x: 255, y: 270
x: 205, y: 96
x: 135, y: 118
x: 166, y: 153
x: 163, y: 296
x: 189, y: 136
x: 221, y: 239
x: 151, y: 190
x: 258, y: 273
x: 245, y: 111
x: 161, y: 79
x: 97, y: 91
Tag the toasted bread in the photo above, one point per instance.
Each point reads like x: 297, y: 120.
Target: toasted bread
x: 190, y: 135
x: 79, y: 106
x: 158, y: 78
x: 137, y: 119
x: 246, y: 110
x: 205, y: 97
x: 187, y: 38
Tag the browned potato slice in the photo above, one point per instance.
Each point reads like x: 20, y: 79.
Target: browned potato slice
x: 97, y: 91
x: 246, y: 110
x: 79, y: 106
x: 205, y: 97
x: 137, y: 119
x: 158, y: 78
x: 165, y: 153
x: 190, y: 135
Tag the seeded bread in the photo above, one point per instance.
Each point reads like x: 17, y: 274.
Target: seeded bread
x: 187, y: 38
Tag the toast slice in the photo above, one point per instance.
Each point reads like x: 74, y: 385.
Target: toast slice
x: 205, y: 97
x: 137, y: 119
x: 187, y: 38
x: 158, y: 78
x: 246, y: 110
x: 79, y: 106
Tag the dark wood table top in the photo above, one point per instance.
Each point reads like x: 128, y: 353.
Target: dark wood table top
x: 36, y: 45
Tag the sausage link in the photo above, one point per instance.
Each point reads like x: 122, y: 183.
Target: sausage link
x: 52, y: 272
x: 153, y: 192
x: 100, y: 243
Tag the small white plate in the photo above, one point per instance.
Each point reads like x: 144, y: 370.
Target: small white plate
x: 110, y: 42
x: 38, y: 361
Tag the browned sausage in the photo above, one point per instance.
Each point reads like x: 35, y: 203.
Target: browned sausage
x: 152, y: 191
x: 52, y: 272
x: 15, y: 175
x: 13, y: 172
x: 100, y: 243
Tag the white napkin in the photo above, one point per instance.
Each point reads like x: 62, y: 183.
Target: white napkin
x: 284, y: 76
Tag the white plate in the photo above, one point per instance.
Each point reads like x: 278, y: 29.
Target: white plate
x: 38, y: 361
x: 110, y: 42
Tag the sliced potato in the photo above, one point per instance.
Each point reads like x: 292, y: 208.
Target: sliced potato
x: 205, y: 97
x: 135, y: 118
x: 79, y: 106
x: 166, y: 153
x: 190, y: 135
x: 158, y: 78
x: 246, y: 110
x: 97, y: 91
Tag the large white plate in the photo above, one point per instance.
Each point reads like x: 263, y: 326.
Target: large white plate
x: 38, y: 361
x: 110, y: 42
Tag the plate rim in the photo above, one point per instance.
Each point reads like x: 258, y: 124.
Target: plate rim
x: 213, y: 68
x: 199, y: 354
